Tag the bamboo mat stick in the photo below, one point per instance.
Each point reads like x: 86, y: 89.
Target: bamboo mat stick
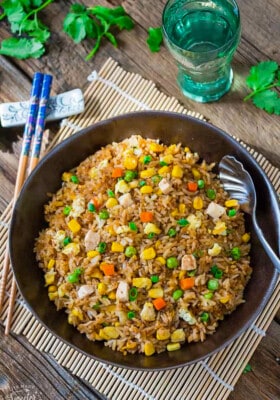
x: 37, y: 141
x: 23, y: 161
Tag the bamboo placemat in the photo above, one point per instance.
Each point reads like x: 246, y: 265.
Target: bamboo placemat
x: 110, y: 92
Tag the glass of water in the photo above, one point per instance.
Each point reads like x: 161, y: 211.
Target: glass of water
x: 202, y: 36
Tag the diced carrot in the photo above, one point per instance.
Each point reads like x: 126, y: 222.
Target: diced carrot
x: 186, y: 283
x: 117, y: 172
x: 146, y: 216
x: 108, y: 269
x: 159, y: 303
x: 192, y: 186
x: 95, y: 202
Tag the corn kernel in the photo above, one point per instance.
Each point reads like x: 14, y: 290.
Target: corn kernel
x: 142, y: 283
x: 174, y: 213
x: 178, y: 336
x: 117, y: 324
x: 157, y: 244
x: 196, y: 173
x: 161, y: 260
x: 246, y: 237
x: 131, y: 345
x: 225, y: 299
x: 77, y: 313
x: 164, y: 170
x: 92, y: 253
x: 182, y: 274
x: 110, y: 203
x: 60, y: 291
x: 151, y: 228
x: 182, y: 208
x: 130, y: 162
x: 112, y: 295
x: 171, y: 149
x: 52, y: 288
x: 96, y: 273
x: 111, y: 230
x: 133, y: 184
x: 155, y: 293
x: 167, y: 159
x: 187, y: 150
x: 110, y: 332
x: 74, y: 225
x: 177, y: 172
x: 231, y: 203
x: 49, y: 278
x: 52, y: 295
x: 117, y: 247
x: 156, y: 147
x: 148, y: 173
x: 111, y: 308
x: 163, y: 334
x: 149, y: 349
x: 146, y: 189
x: 122, y: 187
x: 148, y: 254
x: 197, y: 203
x: 71, y: 249
x: 66, y: 176
x: 102, y: 288
x: 51, y: 263
x: 173, y: 346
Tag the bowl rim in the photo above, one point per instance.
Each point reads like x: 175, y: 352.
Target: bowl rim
x: 84, y: 131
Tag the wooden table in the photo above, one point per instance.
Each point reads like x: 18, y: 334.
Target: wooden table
x: 19, y: 362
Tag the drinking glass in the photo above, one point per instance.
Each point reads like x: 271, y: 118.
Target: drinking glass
x: 202, y: 36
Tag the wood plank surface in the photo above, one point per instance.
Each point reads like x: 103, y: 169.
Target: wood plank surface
x: 20, y: 364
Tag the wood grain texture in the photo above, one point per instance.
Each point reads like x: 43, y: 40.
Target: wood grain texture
x: 19, y: 362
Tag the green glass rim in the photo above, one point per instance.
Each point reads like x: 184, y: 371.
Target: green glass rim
x: 219, y: 49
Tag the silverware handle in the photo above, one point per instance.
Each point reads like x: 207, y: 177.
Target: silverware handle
x: 271, y: 254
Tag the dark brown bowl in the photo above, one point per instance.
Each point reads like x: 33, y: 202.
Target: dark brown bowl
x: 212, y: 144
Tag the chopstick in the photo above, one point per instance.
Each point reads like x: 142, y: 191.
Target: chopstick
x: 34, y: 129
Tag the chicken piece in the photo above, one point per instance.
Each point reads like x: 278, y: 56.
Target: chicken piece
x: 122, y: 293
x: 85, y: 290
x: 215, y: 210
x: 188, y: 262
x: 125, y: 200
x: 148, y: 312
x: 91, y: 240
x: 165, y: 186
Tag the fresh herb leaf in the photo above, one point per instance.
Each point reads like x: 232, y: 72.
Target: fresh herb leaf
x: 154, y: 39
x: 262, y: 79
x: 262, y: 74
x: 248, y: 368
x: 22, y: 48
x: 95, y: 23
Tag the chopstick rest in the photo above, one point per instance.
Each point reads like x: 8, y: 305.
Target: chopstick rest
x: 61, y: 106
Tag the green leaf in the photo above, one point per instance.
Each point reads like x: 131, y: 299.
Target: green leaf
x: 108, y: 13
x: 42, y: 35
x: 111, y: 38
x: 154, y: 39
x: 266, y: 100
x: 36, y: 3
x: 262, y: 74
x: 22, y: 48
x: 90, y: 26
x: 124, y: 22
x: 248, y: 368
x: 78, y: 8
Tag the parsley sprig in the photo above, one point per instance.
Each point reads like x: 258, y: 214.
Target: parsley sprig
x: 263, y: 79
x: 95, y: 23
x: 30, y: 33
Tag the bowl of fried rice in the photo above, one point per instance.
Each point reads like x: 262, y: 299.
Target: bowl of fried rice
x: 125, y: 245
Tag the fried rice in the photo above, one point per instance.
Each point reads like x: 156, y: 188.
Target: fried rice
x: 143, y: 248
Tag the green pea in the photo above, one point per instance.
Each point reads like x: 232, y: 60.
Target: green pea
x: 213, y: 284
x: 154, y: 278
x: 74, y: 276
x: 204, y: 317
x: 217, y: 272
x: 130, y: 314
x: 156, y: 179
x: 151, y: 235
x: 211, y: 194
x: 66, y: 210
x: 142, y: 183
x: 133, y: 294
x: 130, y: 251
x: 130, y: 175
x: 110, y: 193
x: 177, y: 294
x: 235, y: 253
x: 91, y: 207
x: 147, y: 159
x: 232, y: 213
x: 200, y: 183
x: 172, y: 232
x: 208, y: 295
x: 67, y: 240
x: 183, y: 222
x: 101, y: 248
x: 172, y: 262
x: 133, y: 226
x: 103, y: 214
x: 74, y: 179
x: 163, y: 163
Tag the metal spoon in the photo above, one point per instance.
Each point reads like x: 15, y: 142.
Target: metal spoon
x: 239, y: 184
